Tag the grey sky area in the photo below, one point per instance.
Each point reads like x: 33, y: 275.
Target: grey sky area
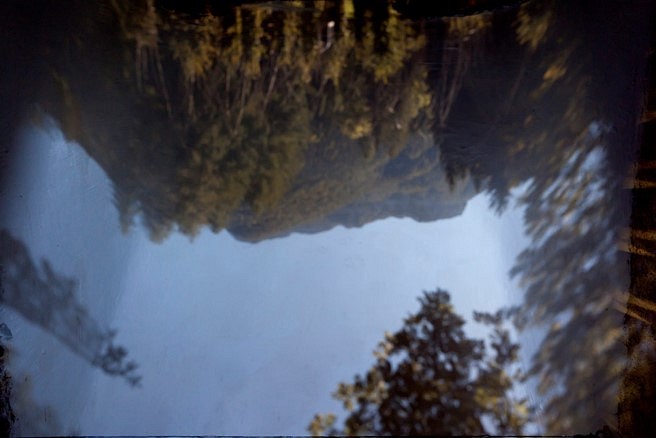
x: 231, y: 337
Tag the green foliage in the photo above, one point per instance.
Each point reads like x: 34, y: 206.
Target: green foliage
x: 429, y: 378
x: 223, y: 118
x: 260, y: 120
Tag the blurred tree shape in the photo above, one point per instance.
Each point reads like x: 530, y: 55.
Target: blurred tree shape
x: 47, y: 299
x: 431, y: 379
x: 567, y: 133
x: 577, y: 207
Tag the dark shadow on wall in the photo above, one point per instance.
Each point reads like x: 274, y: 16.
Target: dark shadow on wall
x: 48, y: 300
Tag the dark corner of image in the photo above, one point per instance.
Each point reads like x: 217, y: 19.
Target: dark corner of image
x: 7, y: 417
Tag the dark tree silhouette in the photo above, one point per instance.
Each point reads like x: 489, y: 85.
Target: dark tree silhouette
x: 48, y: 300
x: 431, y: 379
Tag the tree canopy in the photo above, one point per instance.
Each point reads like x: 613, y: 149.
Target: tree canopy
x: 429, y: 378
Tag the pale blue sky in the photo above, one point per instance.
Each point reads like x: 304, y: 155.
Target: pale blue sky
x: 232, y: 337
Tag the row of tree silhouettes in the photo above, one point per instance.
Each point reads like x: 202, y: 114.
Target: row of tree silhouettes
x: 262, y: 119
